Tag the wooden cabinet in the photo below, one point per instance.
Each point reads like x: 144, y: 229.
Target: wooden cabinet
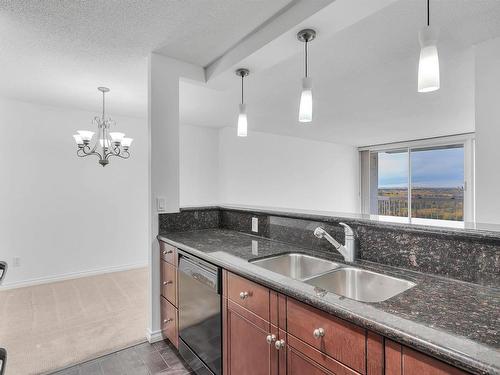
x: 313, y: 342
x: 249, y: 337
x: 168, y: 298
x: 340, y: 340
x: 169, y: 322
x: 249, y: 295
x: 401, y: 360
x: 169, y: 282
x: 249, y: 352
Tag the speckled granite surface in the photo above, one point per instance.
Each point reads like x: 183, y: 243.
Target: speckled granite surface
x: 470, y: 256
x: 454, y: 321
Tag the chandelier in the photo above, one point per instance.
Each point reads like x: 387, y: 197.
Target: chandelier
x: 108, y: 143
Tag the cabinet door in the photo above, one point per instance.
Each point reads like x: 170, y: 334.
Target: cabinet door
x: 299, y: 364
x: 400, y: 360
x: 248, y: 351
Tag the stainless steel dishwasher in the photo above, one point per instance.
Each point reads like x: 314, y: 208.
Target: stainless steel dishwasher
x: 200, y: 319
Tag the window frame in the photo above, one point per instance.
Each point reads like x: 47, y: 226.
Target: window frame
x: 467, y: 141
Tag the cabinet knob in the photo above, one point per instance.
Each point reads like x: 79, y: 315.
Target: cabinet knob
x: 270, y: 339
x: 244, y: 295
x: 319, y: 332
x: 280, y: 344
x: 165, y: 252
x: 166, y: 321
x: 168, y: 282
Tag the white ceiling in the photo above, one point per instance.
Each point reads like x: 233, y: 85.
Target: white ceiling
x: 364, y: 79
x: 58, y: 51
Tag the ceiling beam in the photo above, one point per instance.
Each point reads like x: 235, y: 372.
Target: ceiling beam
x: 288, y: 17
x: 275, y: 41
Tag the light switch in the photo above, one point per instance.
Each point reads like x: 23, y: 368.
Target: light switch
x: 160, y: 204
x: 255, y: 224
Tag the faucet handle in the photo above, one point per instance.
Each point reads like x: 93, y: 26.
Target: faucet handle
x: 347, y: 229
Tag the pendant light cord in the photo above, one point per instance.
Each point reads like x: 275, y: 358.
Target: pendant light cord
x: 242, y: 88
x: 428, y: 14
x: 306, y: 54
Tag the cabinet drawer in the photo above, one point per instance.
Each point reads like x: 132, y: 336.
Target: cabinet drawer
x: 168, y: 253
x: 249, y: 295
x: 169, y: 282
x: 340, y: 340
x: 169, y: 322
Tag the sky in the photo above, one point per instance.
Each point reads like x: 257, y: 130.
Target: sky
x: 430, y: 168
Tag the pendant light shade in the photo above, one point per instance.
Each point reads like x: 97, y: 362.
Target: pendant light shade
x: 242, y: 121
x: 242, y: 115
x: 306, y: 101
x: 428, y: 64
x: 306, y: 98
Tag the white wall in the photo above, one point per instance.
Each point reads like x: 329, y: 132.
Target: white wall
x: 62, y: 214
x: 487, y: 131
x: 199, y: 166
x: 287, y: 172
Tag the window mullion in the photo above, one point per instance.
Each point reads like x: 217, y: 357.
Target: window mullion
x: 409, y: 184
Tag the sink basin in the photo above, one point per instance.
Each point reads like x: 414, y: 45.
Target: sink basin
x: 297, y: 266
x: 361, y: 285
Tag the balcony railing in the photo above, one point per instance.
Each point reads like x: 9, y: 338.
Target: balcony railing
x: 441, y: 208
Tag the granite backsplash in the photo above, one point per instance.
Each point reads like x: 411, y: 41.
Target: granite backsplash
x: 471, y: 257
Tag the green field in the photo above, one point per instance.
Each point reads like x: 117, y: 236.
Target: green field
x: 427, y: 203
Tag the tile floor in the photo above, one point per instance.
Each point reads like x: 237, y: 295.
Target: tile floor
x: 144, y: 359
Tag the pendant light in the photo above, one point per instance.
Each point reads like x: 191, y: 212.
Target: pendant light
x: 428, y: 65
x: 306, y: 100
x: 242, y: 116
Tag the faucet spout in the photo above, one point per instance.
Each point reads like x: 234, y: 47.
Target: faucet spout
x: 348, y: 251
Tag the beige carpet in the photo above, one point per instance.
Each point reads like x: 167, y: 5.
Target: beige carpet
x: 51, y: 326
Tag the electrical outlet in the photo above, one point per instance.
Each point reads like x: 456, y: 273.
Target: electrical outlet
x: 16, y: 262
x: 255, y: 224
x: 255, y: 247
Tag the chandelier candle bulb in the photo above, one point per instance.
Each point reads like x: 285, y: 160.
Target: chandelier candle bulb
x: 126, y: 142
x: 86, y: 135
x: 116, y: 137
x: 78, y: 139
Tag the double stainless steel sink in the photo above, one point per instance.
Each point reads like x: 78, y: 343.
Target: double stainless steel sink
x: 351, y: 282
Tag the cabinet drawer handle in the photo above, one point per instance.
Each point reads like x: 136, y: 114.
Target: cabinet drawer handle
x: 166, y: 321
x: 168, y: 282
x: 318, y: 333
x: 270, y: 339
x: 165, y: 252
x: 244, y: 295
x: 280, y: 344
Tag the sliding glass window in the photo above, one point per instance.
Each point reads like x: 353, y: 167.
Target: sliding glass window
x: 418, y: 183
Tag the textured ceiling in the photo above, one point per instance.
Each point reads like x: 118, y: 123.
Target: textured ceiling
x: 365, y: 79
x: 58, y: 51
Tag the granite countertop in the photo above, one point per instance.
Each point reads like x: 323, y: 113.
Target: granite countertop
x: 454, y: 321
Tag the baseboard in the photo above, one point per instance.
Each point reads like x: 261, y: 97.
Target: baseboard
x: 154, y: 336
x: 68, y: 276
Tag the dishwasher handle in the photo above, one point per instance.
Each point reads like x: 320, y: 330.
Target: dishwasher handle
x: 3, y: 271
x: 199, y: 271
x: 3, y: 360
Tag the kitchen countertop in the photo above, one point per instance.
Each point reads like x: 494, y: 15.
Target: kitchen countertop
x: 454, y: 321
